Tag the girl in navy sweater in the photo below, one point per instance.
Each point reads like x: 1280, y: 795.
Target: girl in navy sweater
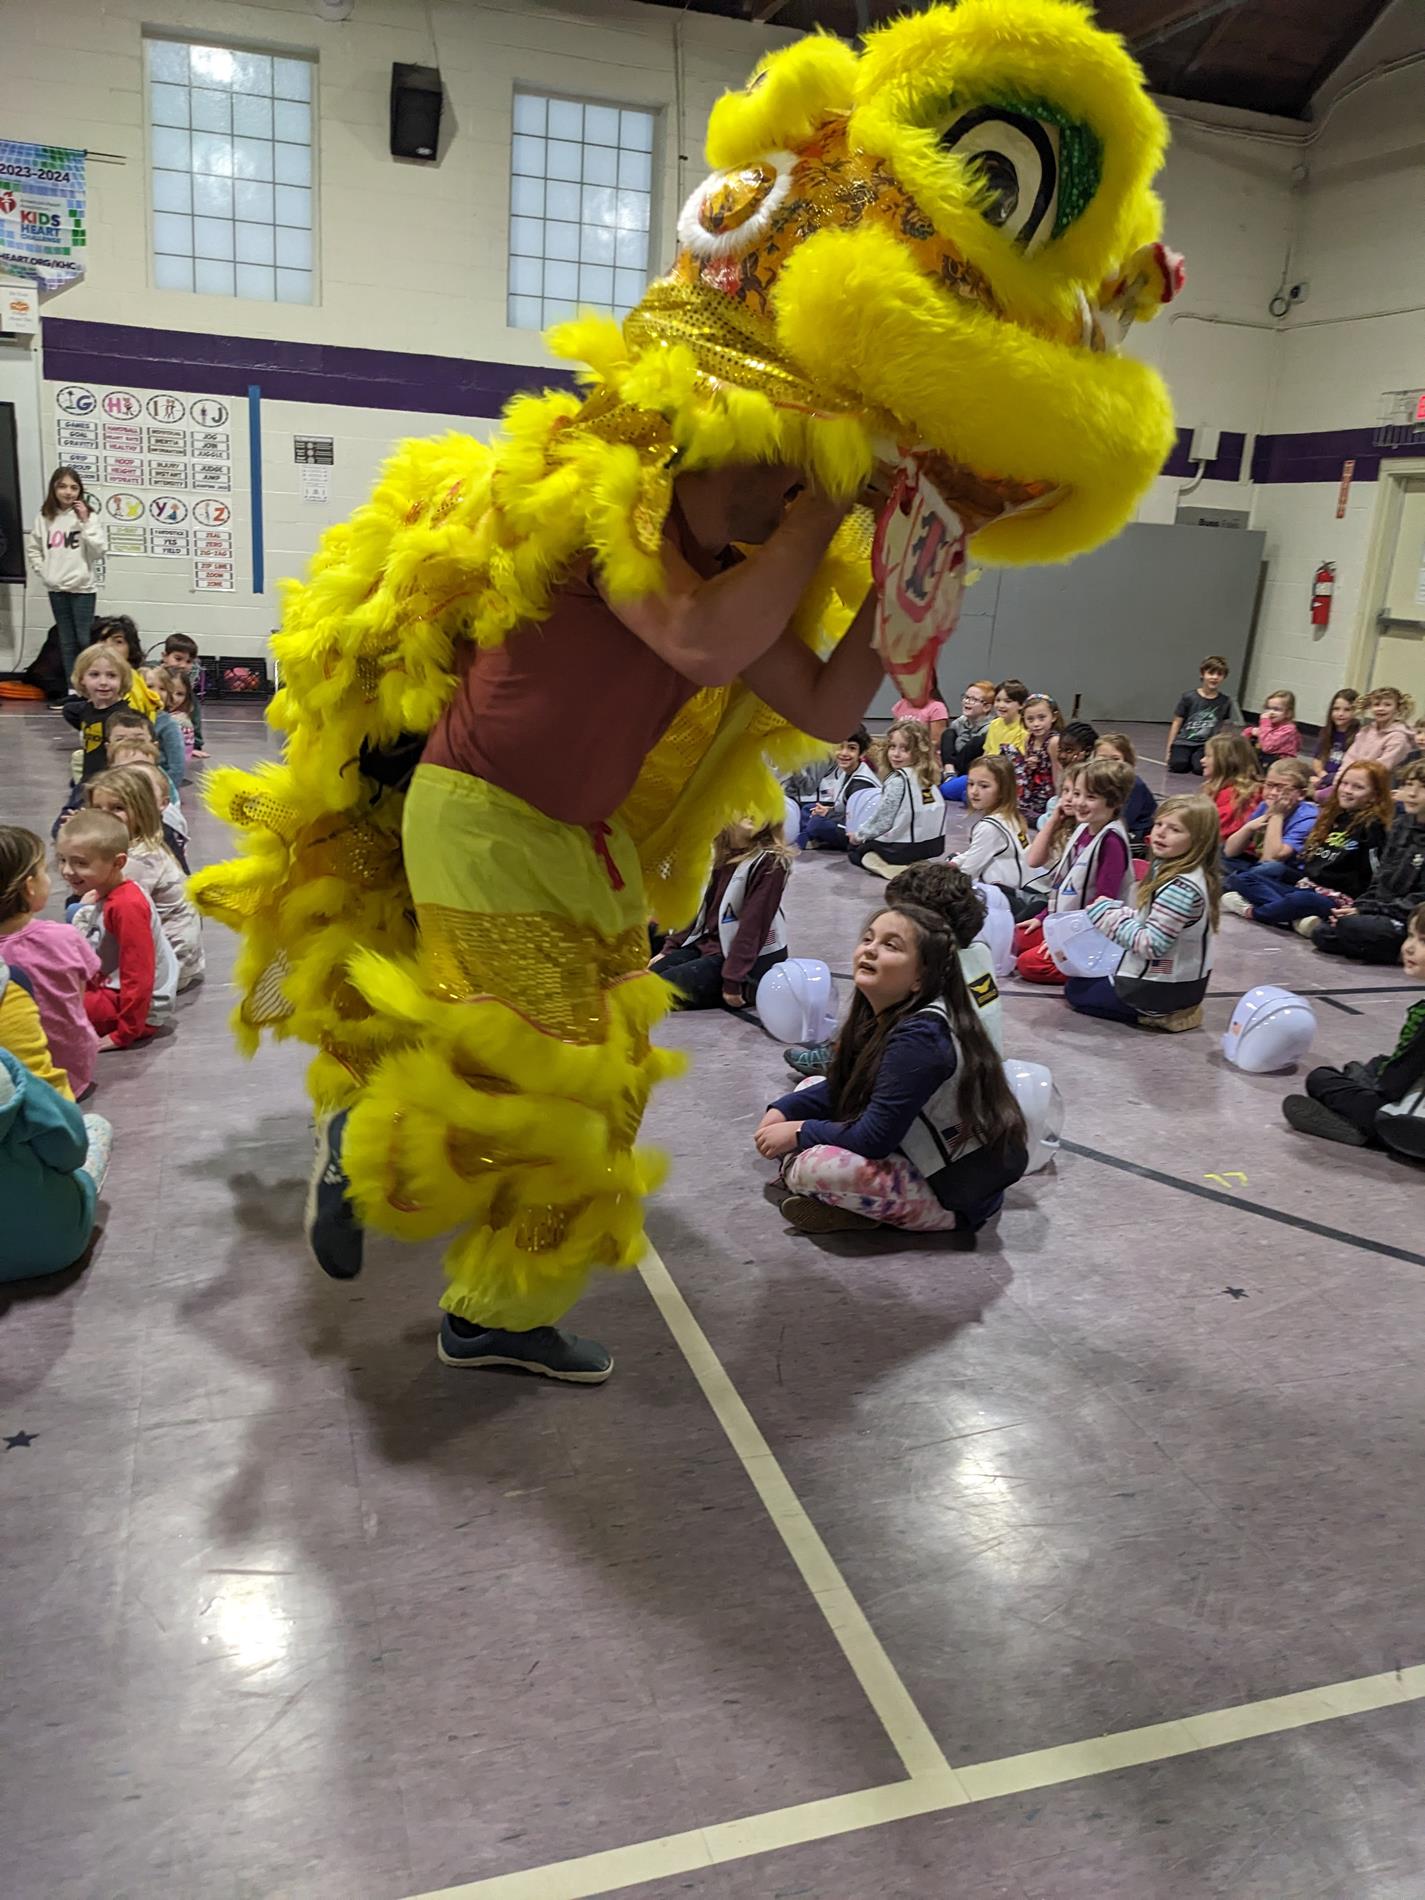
x: 915, y: 1126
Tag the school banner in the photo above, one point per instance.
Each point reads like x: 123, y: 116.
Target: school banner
x: 41, y: 213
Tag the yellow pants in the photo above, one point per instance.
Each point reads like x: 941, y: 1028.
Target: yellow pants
x: 510, y: 1107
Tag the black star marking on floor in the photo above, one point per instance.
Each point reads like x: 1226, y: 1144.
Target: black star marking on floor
x: 20, y: 1440
x: 1237, y: 1292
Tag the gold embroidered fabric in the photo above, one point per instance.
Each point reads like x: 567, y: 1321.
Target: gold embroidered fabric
x: 552, y: 972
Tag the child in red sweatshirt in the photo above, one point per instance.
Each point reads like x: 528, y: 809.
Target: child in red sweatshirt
x: 133, y: 993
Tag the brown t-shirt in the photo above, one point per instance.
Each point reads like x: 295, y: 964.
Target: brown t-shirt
x: 564, y: 713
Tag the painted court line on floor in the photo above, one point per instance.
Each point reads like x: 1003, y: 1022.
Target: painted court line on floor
x: 1299, y: 1221
x: 699, y: 1849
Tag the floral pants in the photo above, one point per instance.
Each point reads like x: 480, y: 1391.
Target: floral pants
x: 890, y: 1190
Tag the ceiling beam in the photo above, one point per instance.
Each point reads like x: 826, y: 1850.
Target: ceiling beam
x: 1197, y: 15
x: 766, y: 10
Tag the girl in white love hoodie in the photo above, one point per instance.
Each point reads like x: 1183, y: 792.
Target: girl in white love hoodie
x: 63, y: 546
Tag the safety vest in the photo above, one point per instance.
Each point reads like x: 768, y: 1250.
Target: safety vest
x: 1158, y: 986
x: 920, y: 816
x: 731, y: 913
x: 1073, y: 877
x: 957, y: 1169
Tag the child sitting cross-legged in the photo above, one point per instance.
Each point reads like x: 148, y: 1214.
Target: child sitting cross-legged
x: 1264, y: 854
x: 915, y: 1126
x: 824, y: 819
x: 1380, y: 1103
x: 739, y: 931
x: 909, y: 822
x: 1232, y: 779
x: 52, y: 957
x: 1096, y: 861
x: 52, y: 1166
x: 132, y: 995
x: 1166, y: 928
x: 1372, y: 929
x: 1275, y: 734
x: 1337, y: 860
x: 126, y: 791
x: 998, y: 839
x: 137, y: 749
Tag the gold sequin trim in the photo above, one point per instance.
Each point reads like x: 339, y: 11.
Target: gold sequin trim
x: 550, y: 971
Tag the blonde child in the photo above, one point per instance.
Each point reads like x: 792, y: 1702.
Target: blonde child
x: 121, y: 636
x: 63, y: 548
x: 132, y: 996
x: 1006, y: 732
x: 55, y: 960
x: 1166, y: 930
x: 166, y: 729
x: 998, y: 840
x: 1275, y: 734
x: 1267, y: 848
x: 1047, y: 845
x: 1232, y: 779
x: 740, y: 930
x: 1037, y: 760
x: 1097, y: 861
x: 1138, y: 812
x: 181, y: 702
x: 1387, y: 737
x: 915, y: 1126
x: 127, y: 792
x: 100, y: 683
x: 138, y: 749
x: 909, y: 822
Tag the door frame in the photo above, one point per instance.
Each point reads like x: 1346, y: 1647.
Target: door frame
x: 1380, y: 556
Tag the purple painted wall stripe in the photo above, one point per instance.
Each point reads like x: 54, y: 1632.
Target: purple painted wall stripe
x: 459, y: 386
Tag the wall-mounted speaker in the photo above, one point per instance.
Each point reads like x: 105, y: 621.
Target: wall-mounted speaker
x: 415, y: 111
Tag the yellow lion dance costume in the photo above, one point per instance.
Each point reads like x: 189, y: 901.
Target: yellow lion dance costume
x: 928, y: 249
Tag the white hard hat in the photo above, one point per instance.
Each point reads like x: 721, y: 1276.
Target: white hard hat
x: 1271, y: 1029
x: 860, y: 806
x: 1042, y: 1107
x: 997, y: 931
x: 1078, y: 949
x: 796, y: 1001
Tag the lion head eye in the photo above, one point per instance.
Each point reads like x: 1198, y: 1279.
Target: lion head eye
x: 1014, y: 160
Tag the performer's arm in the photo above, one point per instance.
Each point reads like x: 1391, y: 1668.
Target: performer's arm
x: 822, y: 697
x: 712, y: 630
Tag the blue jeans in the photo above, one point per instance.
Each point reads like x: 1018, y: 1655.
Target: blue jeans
x: 1258, y: 883
x: 1284, y: 907
x: 73, y: 616
x: 1096, y: 996
x: 826, y: 831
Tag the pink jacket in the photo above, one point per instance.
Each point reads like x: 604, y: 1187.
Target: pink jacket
x: 1276, y: 742
x: 59, y: 963
x: 1388, y: 746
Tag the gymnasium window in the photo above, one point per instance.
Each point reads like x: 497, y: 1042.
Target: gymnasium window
x: 231, y: 171
x: 581, y: 208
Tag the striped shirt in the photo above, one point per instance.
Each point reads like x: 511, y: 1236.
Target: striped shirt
x: 1150, y: 935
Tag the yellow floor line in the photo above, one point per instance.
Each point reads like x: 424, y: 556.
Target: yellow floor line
x: 907, y: 1728
x: 619, y: 1867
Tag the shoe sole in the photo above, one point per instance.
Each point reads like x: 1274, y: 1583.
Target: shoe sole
x: 321, y: 1161
x: 826, y: 1219
x: 520, y: 1365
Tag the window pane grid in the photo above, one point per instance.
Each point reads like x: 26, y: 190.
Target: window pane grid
x: 581, y: 208
x: 230, y: 147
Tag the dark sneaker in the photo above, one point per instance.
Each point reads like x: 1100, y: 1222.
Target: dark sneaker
x: 334, y: 1234
x: 545, y: 1350
x: 1310, y: 1117
x: 813, y: 1061
x: 819, y: 1217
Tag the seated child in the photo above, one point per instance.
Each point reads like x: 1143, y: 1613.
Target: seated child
x: 932, y: 713
x: 995, y: 852
x: 1138, y: 812
x: 132, y: 996
x: 1056, y: 827
x: 1372, y: 929
x: 119, y: 633
x: 938, y: 887
x: 1096, y: 862
x: 1165, y: 929
x: 1266, y: 850
x: 824, y: 821
x: 1275, y: 734
x: 22, y: 1031
x: 915, y: 1127
x: 138, y: 749
x: 1337, y: 860
x: 55, y: 960
x: 126, y: 791
x: 739, y: 931
x: 1417, y: 751
x: 52, y: 1165
x: 1232, y: 780
x: 180, y: 658
x: 166, y: 730
x: 963, y: 739
x: 1077, y: 743
x: 100, y: 680
x: 1036, y: 765
x: 1387, y: 737
x: 909, y: 822
x: 1343, y: 722
x: 1007, y: 733
x: 1380, y: 1103
x: 1199, y: 716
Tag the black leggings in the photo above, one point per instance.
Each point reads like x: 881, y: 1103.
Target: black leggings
x: 1359, y: 1104
x: 1369, y: 939
x: 1185, y: 758
x: 698, y: 977
x: 898, y: 853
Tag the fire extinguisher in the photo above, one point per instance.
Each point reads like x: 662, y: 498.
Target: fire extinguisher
x: 1322, y: 588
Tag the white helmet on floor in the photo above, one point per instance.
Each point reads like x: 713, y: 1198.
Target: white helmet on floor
x: 1042, y: 1107
x: 996, y: 933
x: 792, y: 819
x: 1077, y: 948
x: 796, y: 1001
x: 1271, y: 1029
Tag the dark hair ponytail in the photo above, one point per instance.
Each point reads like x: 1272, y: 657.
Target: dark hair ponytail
x: 988, y: 1110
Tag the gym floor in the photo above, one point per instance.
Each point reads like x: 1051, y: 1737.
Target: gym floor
x: 1082, y: 1565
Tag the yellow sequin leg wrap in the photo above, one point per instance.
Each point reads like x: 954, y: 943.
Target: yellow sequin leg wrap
x: 510, y: 1109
